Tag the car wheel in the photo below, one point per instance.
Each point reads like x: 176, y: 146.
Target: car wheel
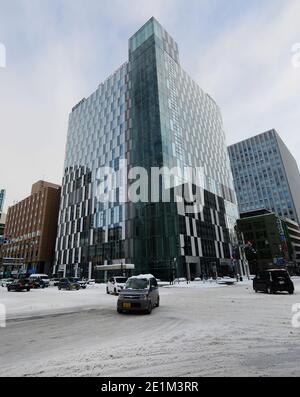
x: 28, y: 289
x: 59, y: 288
x: 291, y: 292
x: 149, y: 309
x: 256, y: 291
x: 115, y: 291
x: 269, y: 291
x: 158, y: 302
x: 120, y: 311
x: 107, y: 291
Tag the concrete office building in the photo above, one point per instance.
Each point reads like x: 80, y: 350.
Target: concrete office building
x: 2, y: 239
x: 30, y: 231
x: 266, y: 175
x: 151, y: 113
x: 293, y: 232
x: 2, y: 223
x: 272, y: 241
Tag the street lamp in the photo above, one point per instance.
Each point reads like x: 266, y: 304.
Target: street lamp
x: 175, y: 267
x: 122, y: 270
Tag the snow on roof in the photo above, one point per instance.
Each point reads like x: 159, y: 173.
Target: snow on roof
x: 144, y: 276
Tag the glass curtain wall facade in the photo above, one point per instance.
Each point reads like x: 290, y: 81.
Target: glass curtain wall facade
x: 91, y: 232
x: 151, y: 113
x: 2, y: 197
x: 266, y: 175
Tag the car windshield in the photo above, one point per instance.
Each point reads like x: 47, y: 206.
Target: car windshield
x: 121, y: 280
x: 137, y: 283
x: 44, y: 277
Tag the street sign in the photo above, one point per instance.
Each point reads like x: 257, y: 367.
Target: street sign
x: 280, y: 261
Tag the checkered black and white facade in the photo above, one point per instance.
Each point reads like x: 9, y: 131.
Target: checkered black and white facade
x: 151, y: 113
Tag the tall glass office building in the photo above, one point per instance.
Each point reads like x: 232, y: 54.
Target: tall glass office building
x: 266, y: 175
x: 152, y: 114
x: 2, y: 197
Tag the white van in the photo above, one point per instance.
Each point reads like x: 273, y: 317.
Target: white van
x: 115, y: 285
x: 43, y: 277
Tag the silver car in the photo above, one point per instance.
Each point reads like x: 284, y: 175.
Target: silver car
x: 140, y: 294
x: 6, y: 281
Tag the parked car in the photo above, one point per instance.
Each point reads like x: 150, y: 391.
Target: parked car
x: 180, y: 280
x: 20, y: 285
x: 6, y: 281
x: 53, y: 282
x: 272, y: 281
x: 115, y: 285
x: 65, y: 283
x: 43, y: 277
x: 91, y: 281
x: 82, y: 283
x: 37, y: 283
x: 139, y: 294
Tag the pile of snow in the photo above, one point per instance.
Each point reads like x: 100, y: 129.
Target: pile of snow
x: 194, y: 284
x: 208, y: 283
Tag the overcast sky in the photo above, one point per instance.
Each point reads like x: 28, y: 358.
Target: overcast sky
x: 58, y: 51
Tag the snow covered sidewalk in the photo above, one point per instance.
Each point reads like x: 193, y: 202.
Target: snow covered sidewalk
x: 47, y: 301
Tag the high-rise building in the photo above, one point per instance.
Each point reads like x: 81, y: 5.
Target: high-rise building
x: 271, y: 241
x: 266, y: 175
x: 152, y: 114
x: 2, y: 197
x: 293, y: 232
x: 2, y: 239
x: 2, y: 215
x: 2, y: 223
x: 30, y: 231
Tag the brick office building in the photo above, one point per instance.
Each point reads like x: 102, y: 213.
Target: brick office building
x: 30, y: 231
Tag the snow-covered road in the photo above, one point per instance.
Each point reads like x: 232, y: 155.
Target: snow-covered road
x: 223, y: 331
